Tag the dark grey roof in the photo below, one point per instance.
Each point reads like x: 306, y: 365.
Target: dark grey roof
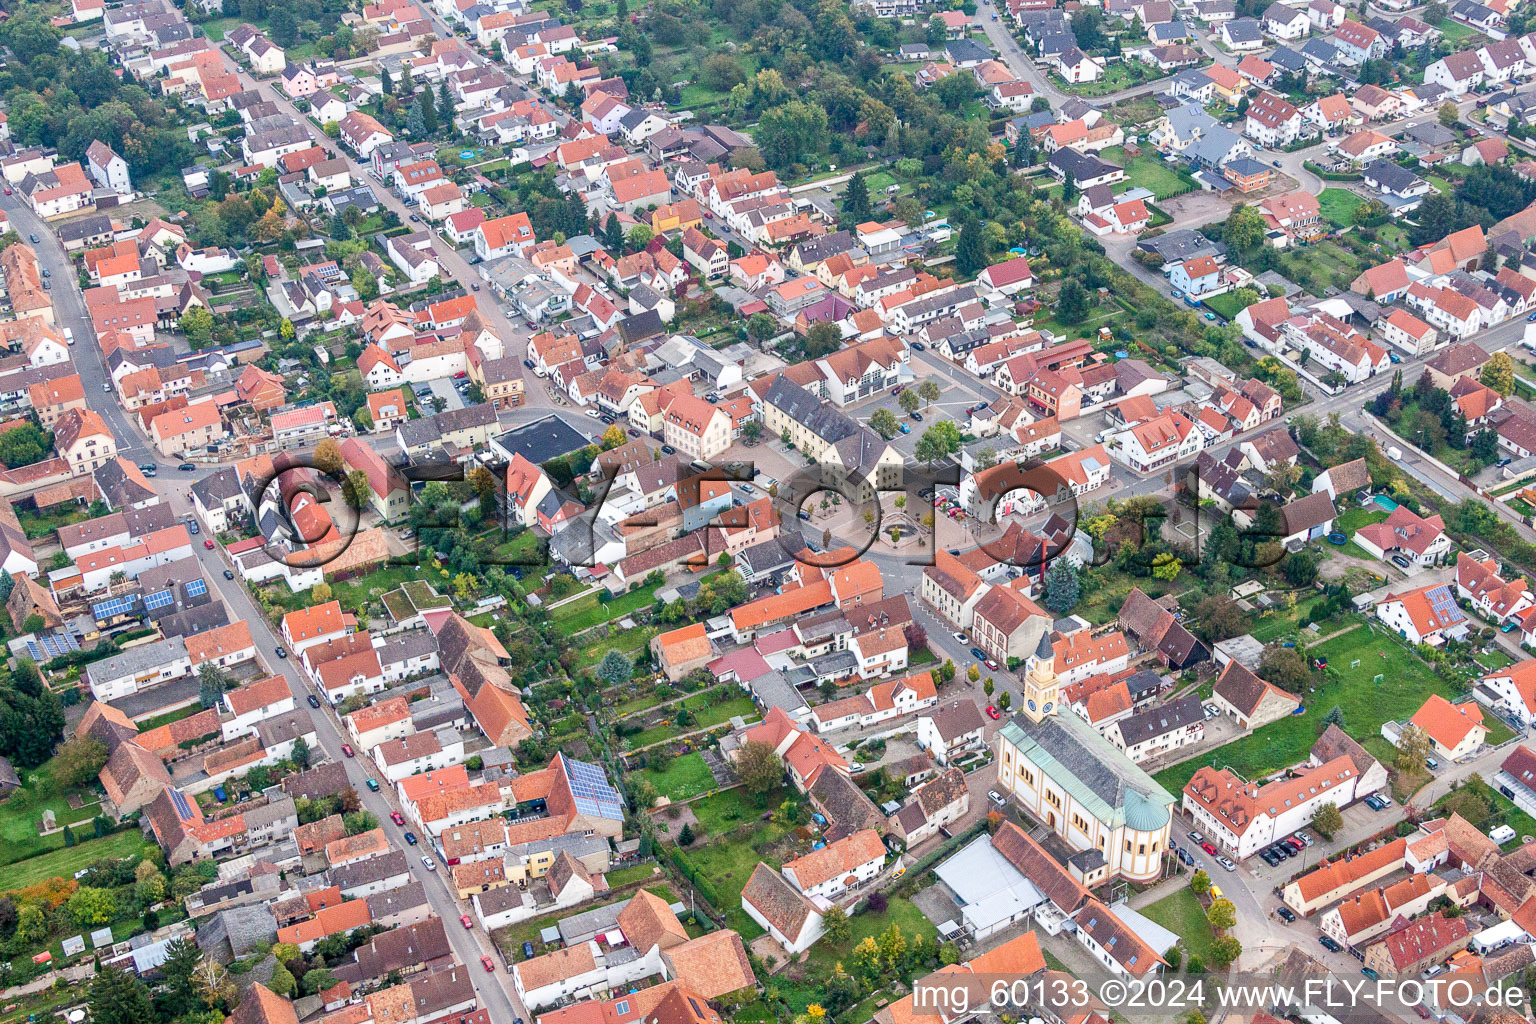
x: 1320, y: 50
x: 374, y: 869
x: 542, y: 440
x: 800, y: 405
x: 640, y: 326
x: 1287, y: 59
x: 1160, y: 721
x: 1389, y: 176
x: 119, y: 490
x: 1242, y: 30
x: 217, y: 487
x: 961, y: 50
x: 321, y: 780
x: 1082, y: 166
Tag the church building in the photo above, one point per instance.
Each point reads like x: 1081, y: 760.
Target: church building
x: 1066, y: 775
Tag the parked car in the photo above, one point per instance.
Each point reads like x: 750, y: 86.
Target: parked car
x: 993, y: 713
x: 1226, y: 863
x: 410, y: 839
x: 527, y: 951
x: 1329, y: 944
x: 978, y: 654
x: 229, y: 574
x: 396, y: 817
x: 346, y: 748
x: 206, y: 543
x: 1287, y: 915
x: 372, y: 784
x: 186, y: 467
x: 314, y: 701
x: 996, y: 797
x: 281, y: 652
x: 1209, y: 848
x: 465, y: 921
x: 428, y: 862
x: 1196, y: 837
x: 487, y: 963
x: 1432, y: 764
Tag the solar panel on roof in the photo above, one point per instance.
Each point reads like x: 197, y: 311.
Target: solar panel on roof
x: 112, y: 606
x: 197, y: 588
x: 158, y: 600
x: 592, y: 792
x: 179, y: 801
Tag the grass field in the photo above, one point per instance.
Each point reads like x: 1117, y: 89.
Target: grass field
x: 1366, y: 704
x: 685, y: 777
x: 1182, y: 914
x: 62, y: 863
x: 706, y: 715
x: 1148, y: 172
x: 20, y: 814
x: 1339, y: 205
x: 585, y: 615
x: 626, y: 640
x: 623, y: 876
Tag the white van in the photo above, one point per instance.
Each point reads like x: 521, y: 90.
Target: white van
x: 69, y: 335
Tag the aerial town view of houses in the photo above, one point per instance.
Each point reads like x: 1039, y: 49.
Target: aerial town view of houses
x: 741, y: 511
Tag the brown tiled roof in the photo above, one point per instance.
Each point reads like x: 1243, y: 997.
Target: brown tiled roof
x: 712, y: 965
x: 837, y: 858
x: 1031, y: 860
x: 785, y: 907
x: 648, y: 922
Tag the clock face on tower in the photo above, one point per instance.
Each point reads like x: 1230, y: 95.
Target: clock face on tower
x: 1031, y: 705
x: 1048, y: 706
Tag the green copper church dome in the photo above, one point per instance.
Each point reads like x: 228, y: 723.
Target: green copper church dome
x: 1143, y: 815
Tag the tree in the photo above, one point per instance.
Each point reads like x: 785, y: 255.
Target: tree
x: 938, y: 441
x: 1004, y: 700
x: 1200, y: 883
x: 1434, y: 14
x: 1448, y: 114
x: 210, y: 684
x: 1222, y: 915
x: 182, y: 959
x: 615, y: 669
x: 24, y: 445
x: 328, y: 457
x: 883, y: 422
x: 1069, y: 189
x: 1072, y: 302
x: 638, y: 237
x: 299, y: 755
x: 988, y: 686
x: 759, y: 768
x: 91, y: 906
x: 856, y: 205
x: 119, y: 997
x: 79, y: 761
x: 971, y: 247
x: 1413, y: 746
x: 685, y: 837
x: 1224, y: 951
x: 320, y: 593
x: 1498, y: 373
x: 1244, y: 229
x: 1327, y: 819
x: 973, y: 673
x: 1299, y: 569
x: 837, y: 925
x: 935, y: 32
x: 1062, y: 587
x: 929, y: 392
x: 909, y: 401
x: 1335, y: 716
x: 1220, y: 617
x: 792, y: 133
x: 1284, y: 667
x: 612, y: 438
x: 282, y: 981
x: 356, y: 489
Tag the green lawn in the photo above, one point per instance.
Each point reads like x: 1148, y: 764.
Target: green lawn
x: 1115, y: 78
x: 169, y: 717
x: 684, y: 777
x: 724, y: 811
x: 706, y: 715
x: 1455, y: 32
x: 1182, y: 914
x: 63, y: 863
x: 1498, y: 730
x: 1224, y: 305
x: 21, y: 812
x: 899, y: 912
x: 587, y: 615
x: 1148, y: 172
x: 1366, y: 704
x: 626, y: 640
x: 624, y: 876
x: 1339, y: 205
x: 1439, y: 183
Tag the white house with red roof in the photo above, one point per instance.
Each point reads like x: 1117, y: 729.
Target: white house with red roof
x: 1405, y: 534
x: 1426, y: 615
x: 1197, y: 277
x: 1128, y: 218
x: 1008, y: 277
x: 1491, y: 596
